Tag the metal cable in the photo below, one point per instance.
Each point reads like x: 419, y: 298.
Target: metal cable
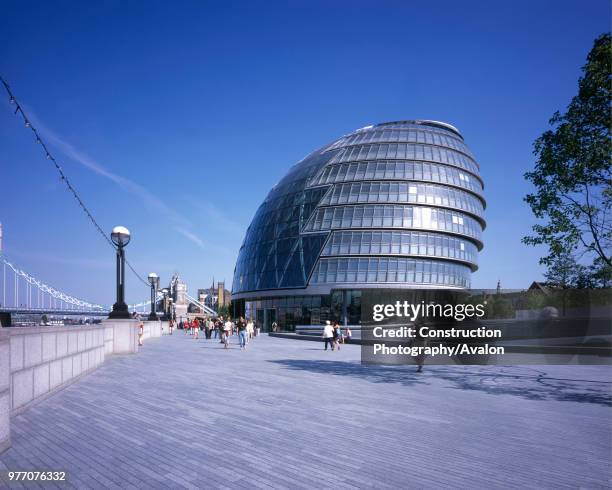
x: 63, y: 176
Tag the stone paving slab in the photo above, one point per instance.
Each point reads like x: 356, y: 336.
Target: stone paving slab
x: 186, y: 413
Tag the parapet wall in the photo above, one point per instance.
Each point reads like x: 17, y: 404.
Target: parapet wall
x: 43, y: 359
x: 36, y: 362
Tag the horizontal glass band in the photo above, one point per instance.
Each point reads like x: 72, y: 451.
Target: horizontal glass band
x: 431, y: 125
x: 358, y: 270
x: 388, y: 170
x: 400, y: 243
x: 403, y: 192
x: 386, y: 135
x: 393, y: 216
x: 407, y: 151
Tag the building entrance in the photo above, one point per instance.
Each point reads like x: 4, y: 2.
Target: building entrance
x: 265, y: 317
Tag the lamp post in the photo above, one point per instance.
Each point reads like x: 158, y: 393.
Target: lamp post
x: 153, y: 281
x: 171, y: 310
x: 120, y: 237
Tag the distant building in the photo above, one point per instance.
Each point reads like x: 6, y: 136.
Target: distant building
x: 215, y: 296
x: 543, y: 287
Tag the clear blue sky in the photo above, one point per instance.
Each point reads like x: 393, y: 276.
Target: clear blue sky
x: 176, y: 118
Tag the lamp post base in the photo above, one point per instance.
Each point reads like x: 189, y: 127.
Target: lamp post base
x: 120, y: 311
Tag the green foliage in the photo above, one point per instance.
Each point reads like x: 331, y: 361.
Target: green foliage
x: 573, y: 180
x: 499, y: 307
x: 224, y: 310
x: 532, y: 300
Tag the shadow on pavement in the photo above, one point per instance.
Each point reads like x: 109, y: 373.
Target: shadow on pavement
x: 536, y: 387
x: 374, y: 374
x: 528, y: 383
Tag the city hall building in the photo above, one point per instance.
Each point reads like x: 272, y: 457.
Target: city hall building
x: 395, y: 205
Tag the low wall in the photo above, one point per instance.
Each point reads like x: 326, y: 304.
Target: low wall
x: 5, y: 390
x: 38, y: 361
x: 153, y: 329
x: 43, y: 359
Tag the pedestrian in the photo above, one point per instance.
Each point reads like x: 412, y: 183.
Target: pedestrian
x: 250, y: 330
x: 171, y: 326
x: 419, y: 341
x: 274, y: 326
x: 328, y: 335
x: 337, y: 335
x: 196, y: 328
x: 347, y: 335
x: 140, y: 333
x: 227, y: 330
x: 257, y: 329
x: 242, y: 333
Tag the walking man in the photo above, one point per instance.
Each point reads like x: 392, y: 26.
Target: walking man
x: 328, y: 335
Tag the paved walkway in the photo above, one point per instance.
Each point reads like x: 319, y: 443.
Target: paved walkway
x: 285, y: 414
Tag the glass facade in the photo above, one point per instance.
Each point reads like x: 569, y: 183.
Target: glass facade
x: 385, y: 170
x: 393, y: 216
x: 377, y: 270
x: 407, y: 151
x: 401, y: 192
x: 438, y: 138
x: 397, y: 203
x: 406, y: 243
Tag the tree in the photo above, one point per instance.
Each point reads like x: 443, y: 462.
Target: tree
x: 224, y: 311
x: 573, y: 177
x: 564, y: 272
x: 499, y: 307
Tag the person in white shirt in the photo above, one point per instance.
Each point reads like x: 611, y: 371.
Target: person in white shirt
x: 250, y: 330
x: 227, y: 330
x: 328, y: 335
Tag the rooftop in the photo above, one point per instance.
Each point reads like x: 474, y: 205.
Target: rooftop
x: 425, y: 122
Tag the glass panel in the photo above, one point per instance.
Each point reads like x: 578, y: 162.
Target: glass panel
x: 392, y: 270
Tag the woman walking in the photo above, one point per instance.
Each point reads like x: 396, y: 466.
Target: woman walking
x: 242, y: 333
x: 250, y: 330
x: 337, y: 335
x: 227, y: 329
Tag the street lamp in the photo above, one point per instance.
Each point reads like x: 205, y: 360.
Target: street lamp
x: 153, y: 281
x: 171, y: 309
x: 120, y: 237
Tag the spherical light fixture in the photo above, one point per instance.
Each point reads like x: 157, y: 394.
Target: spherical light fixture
x: 120, y: 236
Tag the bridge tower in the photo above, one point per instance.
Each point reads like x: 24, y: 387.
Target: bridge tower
x: 179, y: 293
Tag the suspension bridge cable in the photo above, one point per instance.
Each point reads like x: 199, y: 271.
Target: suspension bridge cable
x: 60, y: 170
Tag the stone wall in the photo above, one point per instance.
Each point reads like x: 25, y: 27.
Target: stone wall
x: 5, y: 391
x: 43, y: 359
x: 38, y: 361
x: 153, y: 329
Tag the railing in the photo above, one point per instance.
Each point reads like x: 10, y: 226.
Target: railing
x: 38, y: 295
x: 206, y: 309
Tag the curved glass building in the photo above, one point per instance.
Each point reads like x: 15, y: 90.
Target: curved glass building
x: 396, y: 205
